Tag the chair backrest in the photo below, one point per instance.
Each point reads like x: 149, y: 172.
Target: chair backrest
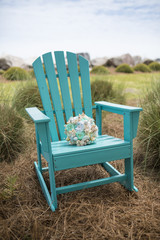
x: 61, y: 92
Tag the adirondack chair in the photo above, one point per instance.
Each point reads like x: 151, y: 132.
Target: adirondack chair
x: 51, y: 141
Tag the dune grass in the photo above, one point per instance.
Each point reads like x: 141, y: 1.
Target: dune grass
x: 12, y: 138
x: 133, y: 82
x: 149, y: 127
x: 16, y: 73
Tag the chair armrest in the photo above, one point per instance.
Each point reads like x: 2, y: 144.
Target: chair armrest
x: 36, y: 115
x: 42, y: 131
x: 116, y: 108
x: 130, y: 116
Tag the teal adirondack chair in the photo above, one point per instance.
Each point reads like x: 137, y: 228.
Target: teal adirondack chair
x: 51, y: 142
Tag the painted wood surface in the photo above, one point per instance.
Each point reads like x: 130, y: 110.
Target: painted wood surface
x: 63, y: 80
x: 36, y: 115
x: 43, y: 89
x: 53, y: 86
x: 86, y: 88
x: 74, y: 78
x: 112, y: 106
x: 102, y: 142
x: 89, y: 184
x: 59, y: 154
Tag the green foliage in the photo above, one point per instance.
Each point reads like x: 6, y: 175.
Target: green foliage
x: 9, y: 188
x: 16, y: 73
x: 149, y: 129
x: 11, y: 133
x: 32, y: 74
x: 142, y: 68
x: 154, y: 66
x: 125, y: 68
x: 26, y: 96
x: 105, y: 91
x: 1, y: 72
x: 99, y: 70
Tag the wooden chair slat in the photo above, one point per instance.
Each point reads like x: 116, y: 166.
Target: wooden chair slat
x: 74, y: 79
x: 39, y: 73
x: 86, y: 88
x: 52, y: 80
x: 63, y: 80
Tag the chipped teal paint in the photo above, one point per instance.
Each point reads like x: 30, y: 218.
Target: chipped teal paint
x: 58, y: 154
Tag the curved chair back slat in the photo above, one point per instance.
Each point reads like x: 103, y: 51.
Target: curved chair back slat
x: 63, y: 80
x: 43, y: 89
x: 57, y: 92
x: 86, y: 87
x: 74, y: 79
x: 53, y: 86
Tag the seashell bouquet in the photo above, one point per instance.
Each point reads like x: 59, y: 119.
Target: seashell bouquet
x: 81, y: 130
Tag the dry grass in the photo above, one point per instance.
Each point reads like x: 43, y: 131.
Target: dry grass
x: 101, y: 213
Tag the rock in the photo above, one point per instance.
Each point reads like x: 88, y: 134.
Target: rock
x: 85, y: 55
x: 125, y: 58
x: 137, y: 60
x: 16, y: 61
x: 157, y: 60
x: 148, y: 61
x: 114, y: 62
x: 98, y: 61
x: 5, y: 64
x: 128, y: 59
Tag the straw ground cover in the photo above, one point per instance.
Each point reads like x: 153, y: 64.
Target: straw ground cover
x: 106, y: 212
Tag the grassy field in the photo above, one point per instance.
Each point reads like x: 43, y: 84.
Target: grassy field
x: 102, y: 213
x: 133, y: 84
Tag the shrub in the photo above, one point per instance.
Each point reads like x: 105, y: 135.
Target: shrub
x: 26, y: 96
x: 142, y: 68
x: 99, y: 70
x: 154, y: 66
x: 125, y: 68
x: 32, y: 74
x: 12, y: 138
x: 16, y: 73
x: 1, y: 71
x: 104, y: 91
x: 149, y: 129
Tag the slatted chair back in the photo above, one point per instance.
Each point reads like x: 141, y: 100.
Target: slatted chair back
x: 58, y: 96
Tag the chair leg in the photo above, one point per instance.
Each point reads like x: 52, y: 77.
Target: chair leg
x: 129, y: 183
x: 44, y: 188
x: 38, y: 150
x: 52, y: 183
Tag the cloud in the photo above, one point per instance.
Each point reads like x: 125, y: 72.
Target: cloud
x: 103, y: 28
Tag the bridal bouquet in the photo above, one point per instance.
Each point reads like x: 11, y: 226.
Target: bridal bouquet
x: 81, y: 130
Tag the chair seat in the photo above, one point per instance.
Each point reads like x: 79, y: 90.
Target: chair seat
x: 60, y: 148
x: 106, y: 148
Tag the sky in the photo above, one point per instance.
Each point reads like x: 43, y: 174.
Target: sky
x: 103, y: 28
